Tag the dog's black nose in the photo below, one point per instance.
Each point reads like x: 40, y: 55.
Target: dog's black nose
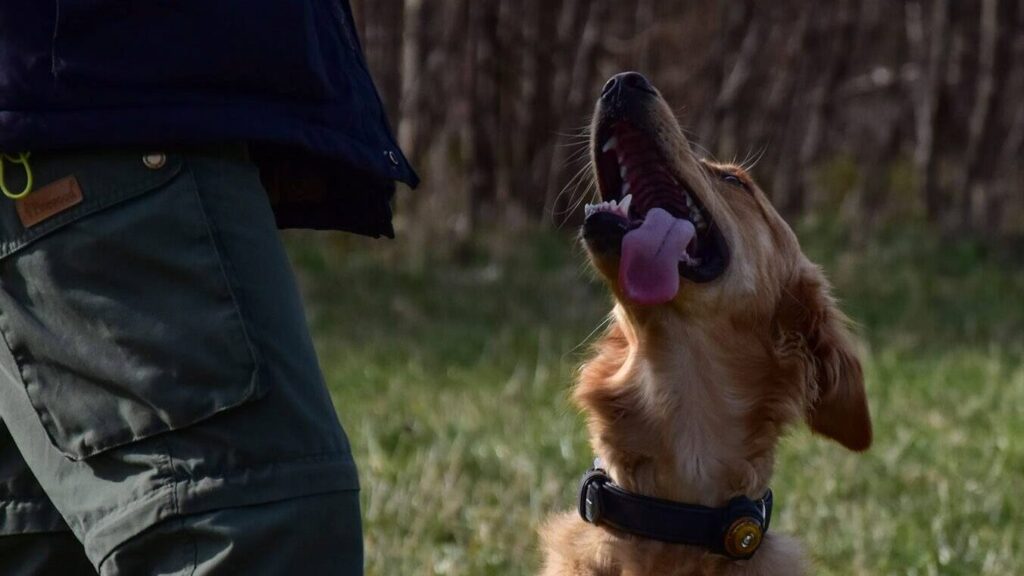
x: 622, y: 85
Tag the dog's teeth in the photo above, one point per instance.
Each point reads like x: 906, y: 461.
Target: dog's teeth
x: 626, y: 200
x: 689, y: 201
x: 685, y: 258
x: 622, y: 172
x: 616, y: 208
x: 588, y: 210
x: 625, y: 189
x: 610, y: 144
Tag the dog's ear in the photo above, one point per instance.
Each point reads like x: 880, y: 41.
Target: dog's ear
x: 837, y: 404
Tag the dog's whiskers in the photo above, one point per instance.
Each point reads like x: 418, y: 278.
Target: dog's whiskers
x: 582, y: 185
x: 753, y: 158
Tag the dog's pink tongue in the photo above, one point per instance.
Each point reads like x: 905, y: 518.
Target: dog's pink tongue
x: 649, y: 269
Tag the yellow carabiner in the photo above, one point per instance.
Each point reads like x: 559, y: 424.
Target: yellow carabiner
x: 21, y: 158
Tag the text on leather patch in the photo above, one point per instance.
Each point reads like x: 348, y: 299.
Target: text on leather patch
x: 48, y: 201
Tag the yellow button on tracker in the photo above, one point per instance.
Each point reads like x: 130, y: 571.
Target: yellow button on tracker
x: 743, y: 537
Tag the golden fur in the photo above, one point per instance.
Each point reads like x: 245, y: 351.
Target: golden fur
x: 687, y: 401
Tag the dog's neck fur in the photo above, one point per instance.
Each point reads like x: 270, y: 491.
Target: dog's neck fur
x: 698, y: 445
x: 690, y: 438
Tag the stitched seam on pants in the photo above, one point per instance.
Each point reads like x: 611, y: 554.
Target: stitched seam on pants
x: 307, y: 459
x: 125, y: 508
x: 195, y: 551
x: 27, y: 516
x: 25, y: 504
x: 169, y: 472
x: 42, y: 414
x: 230, y: 282
x: 191, y: 544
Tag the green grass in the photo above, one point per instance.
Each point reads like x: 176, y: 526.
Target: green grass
x: 451, y: 376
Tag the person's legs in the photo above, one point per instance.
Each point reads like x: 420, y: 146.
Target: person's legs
x: 159, y: 378
x: 260, y: 539
x: 34, y: 540
x: 43, y: 554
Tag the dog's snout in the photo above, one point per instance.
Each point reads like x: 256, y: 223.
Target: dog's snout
x: 609, y: 87
x: 636, y: 81
x: 625, y: 85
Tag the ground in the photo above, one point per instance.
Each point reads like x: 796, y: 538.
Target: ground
x: 451, y: 376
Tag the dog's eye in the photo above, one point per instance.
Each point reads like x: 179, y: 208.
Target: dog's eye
x: 733, y: 180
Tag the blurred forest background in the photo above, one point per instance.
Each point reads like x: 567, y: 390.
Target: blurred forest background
x: 888, y: 132
x: 881, y: 110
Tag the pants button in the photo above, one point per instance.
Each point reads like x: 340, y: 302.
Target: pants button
x: 154, y: 161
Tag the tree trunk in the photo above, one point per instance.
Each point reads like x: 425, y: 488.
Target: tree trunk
x: 840, y: 40
x: 382, y: 25
x: 539, y: 117
x: 735, y: 82
x: 643, y: 20
x: 482, y: 48
x: 413, y: 64
x: 579, y: 90
x: 931, y: 48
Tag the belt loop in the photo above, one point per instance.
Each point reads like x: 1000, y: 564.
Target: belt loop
x: 20, y: 158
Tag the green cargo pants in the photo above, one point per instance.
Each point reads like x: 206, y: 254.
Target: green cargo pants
x: 161, y: 406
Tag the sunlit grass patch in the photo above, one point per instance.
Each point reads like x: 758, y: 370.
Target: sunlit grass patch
x: 935, y: 495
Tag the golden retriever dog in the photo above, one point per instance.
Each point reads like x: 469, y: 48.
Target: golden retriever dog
x: 723, y: 334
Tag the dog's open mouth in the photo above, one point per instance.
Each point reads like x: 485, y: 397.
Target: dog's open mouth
x: 666, y: 230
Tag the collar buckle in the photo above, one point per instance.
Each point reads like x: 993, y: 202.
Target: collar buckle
x: 590, y: 494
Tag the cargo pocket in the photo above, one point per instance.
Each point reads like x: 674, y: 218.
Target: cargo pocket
x: 117, y: 307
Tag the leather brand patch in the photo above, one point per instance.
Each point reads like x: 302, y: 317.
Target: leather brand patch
x: 49, y: 201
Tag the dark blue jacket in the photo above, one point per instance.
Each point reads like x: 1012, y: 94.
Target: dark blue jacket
x: 286, y: 75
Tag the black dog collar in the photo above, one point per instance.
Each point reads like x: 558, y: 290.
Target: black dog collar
x: 734, y: 530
